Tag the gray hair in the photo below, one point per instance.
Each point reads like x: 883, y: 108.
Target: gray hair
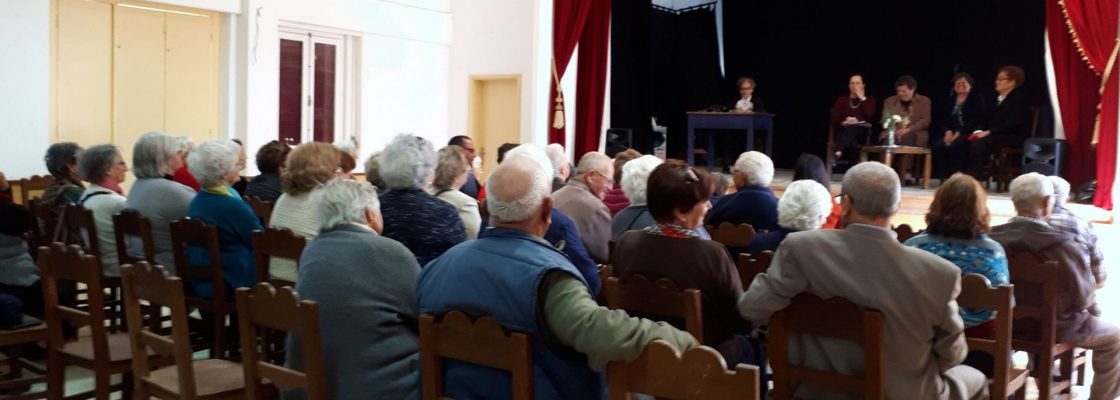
x: 756, y: 168
x: 344, y: 201
x: 593, y: 161
x: 187, y: 145
x: 59, y: 158
x: 373, y: 170
x: 635, y: 178
x: 96, y: 161
x: 151, y: 153
x: 873, y: 189
x: 1029, y: 190
x: 555, y: 152
x: 407, y: 162
x: 804, y: 206
x: 1061, y: 189
x: 532, y: 151
x: 212, y: 160
x: 516, y: 189
x: 452, y: 165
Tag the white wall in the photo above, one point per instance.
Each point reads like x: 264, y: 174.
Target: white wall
x: 24, y: 87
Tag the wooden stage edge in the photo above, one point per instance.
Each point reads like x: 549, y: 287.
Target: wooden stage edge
x: 915, y: 203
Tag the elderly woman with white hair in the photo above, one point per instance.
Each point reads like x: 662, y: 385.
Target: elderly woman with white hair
x: 635, y: 176
x: 754, y: 203
x: 425, y: 224
x: 451, y: 174
x: 365, y: 285
x: 804, y: 206
x: 104, y: 168
x: 154, y: 158
x: 1063, y: 219
x: 215, y: 164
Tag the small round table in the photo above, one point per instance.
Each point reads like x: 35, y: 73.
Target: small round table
x: 888, y: 152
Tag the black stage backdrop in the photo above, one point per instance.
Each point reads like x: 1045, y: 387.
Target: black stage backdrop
x: 801, y: 54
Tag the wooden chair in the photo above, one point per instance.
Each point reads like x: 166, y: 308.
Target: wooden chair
x: 750, y: 266
x: 194, y: 233
x: 977, y: 293
x: 275, y: 242
x: 265, y: 309
x: 483, y: 342
x: 187, y: 379
x: 1006, y: 163
x: 904, y: 232
x: 1036, y: 292
x: 44, y: 222
x: 79, y: 219
x: 263, y: 209
x: 699, y: 373
x: 833, y: 318
x: 14, y: 380
x: 130, y: 223
x: 102, y: 353
x: 731, y: 235
x: 34, y: 183
x: 661, y: 298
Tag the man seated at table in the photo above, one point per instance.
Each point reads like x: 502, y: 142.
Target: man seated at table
x: 913, y: 118
x: 747, y: 102
x: 754, y: 203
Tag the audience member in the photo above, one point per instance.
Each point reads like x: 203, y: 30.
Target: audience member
x: 582, y: 200
x: 810, y: 166
x: 634, y: 180
x: 365, y: 285
x: 62, y: 163
x: 214, y: 164
x: 503, y: 149
x: 451, y: 173
x: 923, y: 338
x: 154, y: 157
x: 270, y: 163
x: 804, y: 206
x: 104, y: 168
x: 183, y: 174
x: 850, y: 120
x: 242, y: 183
x: 1078, y: 319
x: 950, y: 151
x: 572, y: 337
x: 1066, y: 221
x: 373, y: 171
x: 19, y: 276
x: 5, y: 188
x: 722, y: 186
x: 1007, y: 125
x: 555, y: 152
x: 425, y: 224
x: 913, y: 110
x: 615, y: 198
x: 753, y: 203
x: 308, y: 166
x: 471, y: 188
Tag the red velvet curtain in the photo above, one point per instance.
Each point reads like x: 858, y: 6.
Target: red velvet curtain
x: 587, y: 23
x: 1092, y: 26
x: 1078, y: 105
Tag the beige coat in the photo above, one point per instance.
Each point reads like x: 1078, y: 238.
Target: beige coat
x: 592, y: 218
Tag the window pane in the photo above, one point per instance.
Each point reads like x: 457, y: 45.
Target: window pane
x: 291, y: 90
x: 324, y: 92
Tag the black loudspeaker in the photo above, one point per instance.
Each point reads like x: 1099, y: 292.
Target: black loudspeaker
x: 618, y: 139
x: 1044, y: 155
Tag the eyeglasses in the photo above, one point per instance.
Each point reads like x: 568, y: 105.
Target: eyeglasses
x: 610, y: 182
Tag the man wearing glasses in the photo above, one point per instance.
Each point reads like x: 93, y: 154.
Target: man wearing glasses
x: 582, y: 200
x: 471, y: 188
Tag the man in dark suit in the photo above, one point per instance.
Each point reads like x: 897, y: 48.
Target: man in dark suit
x: 1009, y: 124
x: 747, y: 102
x: 471, y: 187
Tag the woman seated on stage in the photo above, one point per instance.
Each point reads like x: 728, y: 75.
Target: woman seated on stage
x: 850, y: 120
x: 1007, y: 125
x: 964, y: 114
x: 913, y: 111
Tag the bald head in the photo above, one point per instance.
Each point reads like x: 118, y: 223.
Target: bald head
x: 517, y: 189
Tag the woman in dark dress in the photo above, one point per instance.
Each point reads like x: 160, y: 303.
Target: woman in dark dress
x: 961, y: 116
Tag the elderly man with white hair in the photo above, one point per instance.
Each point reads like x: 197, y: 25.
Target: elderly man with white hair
x: 923, y: 337
x: 365, y: 285
x: 1066, y: 221
x: 754, y: 203
x: 560, y: 166
x: 214, y: 164
x: 1078, y: 314
x: 804, y: 206
x: 529, y: 286
x: 582, y: 200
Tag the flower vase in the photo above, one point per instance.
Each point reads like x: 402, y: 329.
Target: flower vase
x: 890, y: 136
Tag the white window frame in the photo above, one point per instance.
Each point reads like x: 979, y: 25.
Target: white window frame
x: 346, y: 118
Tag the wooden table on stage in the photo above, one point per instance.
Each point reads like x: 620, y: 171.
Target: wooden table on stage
x: 889, y: 152
x: 728, y: 121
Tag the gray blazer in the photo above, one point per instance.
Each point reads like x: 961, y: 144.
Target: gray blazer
x: 162, y: 201
x: 916, y: 291
x: 365, y: 285
x: 592, y: 218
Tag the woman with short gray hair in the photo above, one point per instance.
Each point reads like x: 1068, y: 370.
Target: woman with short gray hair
x: 635, y: 176
x: 451, y: 174
x: 104, y: 168
x: 154, y: 158
x: 62, y: 163
x: 215, y: 164
x: 365, y: 285
x: 804, y: 206
x: 425, y: 224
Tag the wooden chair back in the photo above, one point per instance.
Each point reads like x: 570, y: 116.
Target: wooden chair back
x: 977, y: 293
x: 61, y: 266
x: 44, y: 223
x: 276, y: 242
x: 262, y: 209
x: 698, y: 374
x: 1036, y: 292
x: 33, y: 187
x: 130, y: 223
x: 833, y: 318
x: 264, y: 308
x: 732, y: 235
x: 751, y: 265
x: 661, y: 298
x: 79, y: 219
x: 482, y: 341
x: 904, y: 232
x: 195, y: 233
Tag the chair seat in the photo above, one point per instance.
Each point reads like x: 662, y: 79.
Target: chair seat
x: 33, y: 333
x: 213, y: 377
x: 120, y: 348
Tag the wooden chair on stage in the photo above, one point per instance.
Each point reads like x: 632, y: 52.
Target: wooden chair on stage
x: 262, y: 209
x: 699, y: 373
x: 732, y: 235
x: 833, y: 318
x: 977, y: 293
x: 661, y: 298
x: 278, y: 243
x: 11, y: 343
x: 32, y: 187
x: 482, y: 341
x: 750, y: 266
x: 195, y: 233
x: 187, y: 379
x: 265, y: 309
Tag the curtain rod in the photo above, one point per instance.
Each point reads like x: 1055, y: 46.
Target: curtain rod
x: 708, y: 6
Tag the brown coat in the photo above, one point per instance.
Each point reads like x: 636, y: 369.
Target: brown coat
x: 920, y: 117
